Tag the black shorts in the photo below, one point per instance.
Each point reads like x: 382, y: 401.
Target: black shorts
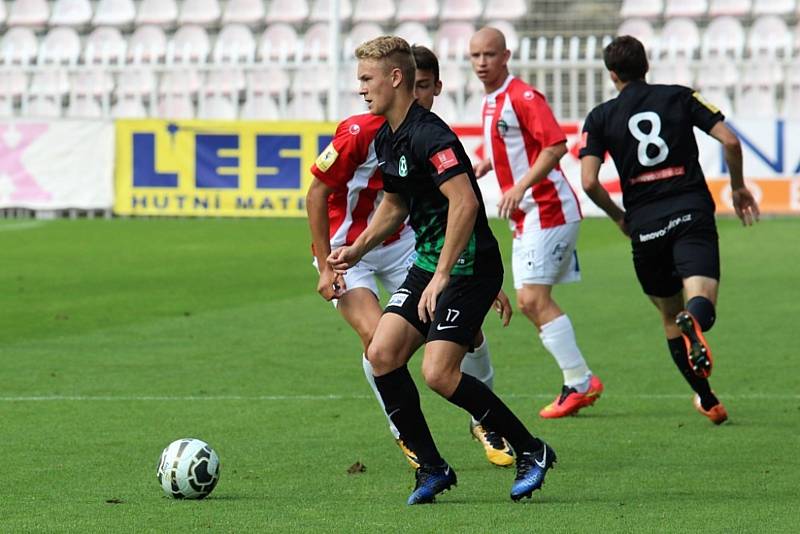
x: 669, y: 249
x: 460, y: 308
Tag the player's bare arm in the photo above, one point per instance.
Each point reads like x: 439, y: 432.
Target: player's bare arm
x: 330, y: 284
x: 461, y: 214
x: 590, y: 171
x: 744, y: 203
x: 546, y: 162
x: 390, y: 214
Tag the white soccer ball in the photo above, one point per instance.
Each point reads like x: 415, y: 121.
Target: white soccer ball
x: 188, y: 469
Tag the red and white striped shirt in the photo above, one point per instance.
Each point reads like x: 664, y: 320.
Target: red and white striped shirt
x: 517, y: 125
x: 350, y: 167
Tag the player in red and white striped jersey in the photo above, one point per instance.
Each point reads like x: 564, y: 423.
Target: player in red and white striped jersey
x: 524, y: 144
x: 345, y: 191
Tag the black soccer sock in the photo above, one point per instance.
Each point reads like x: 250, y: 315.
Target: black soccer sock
x: 487, y: 408
x: 677, y: 349
x: 703, y: 310
x: 401, y: 399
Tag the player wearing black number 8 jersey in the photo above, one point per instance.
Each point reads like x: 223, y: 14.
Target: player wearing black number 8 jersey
x: 668, y: 209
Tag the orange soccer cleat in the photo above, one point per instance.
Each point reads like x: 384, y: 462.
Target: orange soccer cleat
x: 716, y: 413
x: 570, y: 401
x: 700, y: 360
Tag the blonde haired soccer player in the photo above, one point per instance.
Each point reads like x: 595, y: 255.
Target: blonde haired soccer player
x: 455, y: 278
x: 342, y: 197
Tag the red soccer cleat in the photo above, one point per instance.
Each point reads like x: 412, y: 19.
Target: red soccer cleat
x: 700, y: 360
x: 570, y: 401
x: 717, y: 413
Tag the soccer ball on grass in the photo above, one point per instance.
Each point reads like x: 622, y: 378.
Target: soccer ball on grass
x: 188, y: 469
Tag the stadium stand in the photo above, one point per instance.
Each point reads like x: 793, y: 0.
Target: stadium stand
x: 271, y: 52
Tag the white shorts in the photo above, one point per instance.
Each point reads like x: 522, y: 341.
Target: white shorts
x: 546, y: 256
x: 387, y: 264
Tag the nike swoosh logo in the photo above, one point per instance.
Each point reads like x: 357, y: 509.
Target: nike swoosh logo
x: 543, y: 463
x: 440, y: 327
x: 381, y: 163
x: 447, y: 471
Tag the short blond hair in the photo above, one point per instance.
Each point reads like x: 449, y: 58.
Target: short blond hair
x: 395, y: 52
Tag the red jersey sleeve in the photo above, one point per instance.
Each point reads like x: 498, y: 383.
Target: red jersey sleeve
x: 536, y: 117
x: 348, y: 149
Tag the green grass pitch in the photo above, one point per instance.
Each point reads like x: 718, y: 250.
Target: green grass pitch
x: 119, y: 336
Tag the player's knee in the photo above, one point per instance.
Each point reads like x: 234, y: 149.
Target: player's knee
x: 703, y: 311
x: 531, y: 305
x: 438, y: 379
x: 381, y: 359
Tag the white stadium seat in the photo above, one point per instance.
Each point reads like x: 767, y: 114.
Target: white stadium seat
x: 105, y: 45
x: 769, y: 36
x: 679, y: 37
x: 42, y: 106
x: 473, y: 107
x: 374, y: 11
x: 453, y: 77
x: 13, y: 83
x: 3, y: 12
x: 95, y: 82
x: 289, y: 11
x: 129, y: 107
x: 316, y: 41
x: 757, y: 102
x: 641, y: 29
x: 158, y: 12
x: 312, y: 80
x: 278, y: 42
x: 511, y: 10
x: 512, y: 39
x: 452, y: 39
x: 235, y: 43
x: 414, y: 33
x: 32, y: 13
x: 60, y: 45
x: 305, y: 107
x: 417, y: 10
x: 445, y: 107
x: 734, y: 8
x: 228, y: 81
x: 271, y: 81
x: 672, y: 72
x: 260, y: 107
x: 791, y: 102
x: 175, y: 106
x: 320, y: 10
x: 201, y: 12
x: 717, y: 72
x: 250, y: 12
x: 117, y: 13
x: 19, y: 45
x: 360, y: 33
x: 49, y: 82
x: 724, y: 36
x: 641, y: 8
x: 71, y: 13
x: 179, y: 82
x: 351, y: 103
x: 218, y: 107
x: 189, y: 44
x: 774, y: 7
x: 148, y: 44
x: 84, y: 107
x: 136, y: 82
x: 468, y: 10
x: 685, y: 8
x: 718, y: 96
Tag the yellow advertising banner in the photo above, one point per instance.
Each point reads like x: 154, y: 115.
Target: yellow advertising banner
x: 215, y: 168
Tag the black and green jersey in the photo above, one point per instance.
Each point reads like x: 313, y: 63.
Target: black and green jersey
x: 415, y: 160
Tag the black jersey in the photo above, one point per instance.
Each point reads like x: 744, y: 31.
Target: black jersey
x: 415, y: 160
x: 648, y: 130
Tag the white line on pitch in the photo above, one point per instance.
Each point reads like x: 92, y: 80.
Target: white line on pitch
x: 12, y: 227
x: 128, y: 398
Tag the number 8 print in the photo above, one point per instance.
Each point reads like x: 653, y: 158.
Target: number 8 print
x: 648, y: 139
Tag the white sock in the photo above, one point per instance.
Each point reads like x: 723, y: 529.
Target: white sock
x: 558, y: 338
x: 371, y: 379
x: 478, y: 363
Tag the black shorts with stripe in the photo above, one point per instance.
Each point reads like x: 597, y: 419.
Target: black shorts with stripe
x: 460, y: 308
x: 669, y: 249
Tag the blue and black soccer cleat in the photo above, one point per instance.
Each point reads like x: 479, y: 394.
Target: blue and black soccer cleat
x: 432, y: 481
x: 531, y: 469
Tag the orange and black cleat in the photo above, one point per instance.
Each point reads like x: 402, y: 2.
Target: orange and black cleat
x: 570, y: 401
x: 700, y: 360
x: 716, y: 413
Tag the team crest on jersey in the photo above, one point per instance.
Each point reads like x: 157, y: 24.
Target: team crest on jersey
x: 402, y: 168
x: 354, y: 129
x: 502, y: 128
x: 528, y: 95
x: 327, y: 158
